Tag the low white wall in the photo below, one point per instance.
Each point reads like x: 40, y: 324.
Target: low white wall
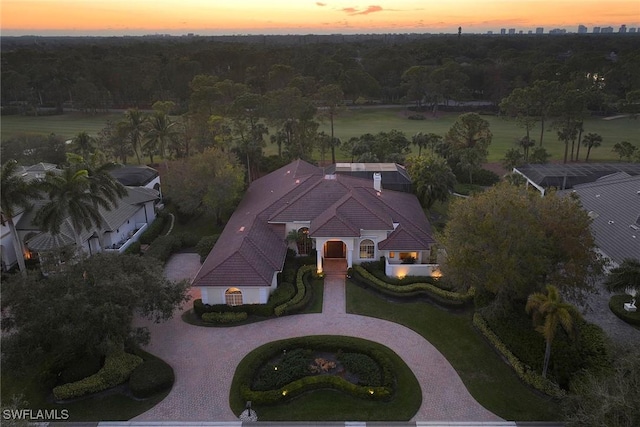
x: 402, y: 270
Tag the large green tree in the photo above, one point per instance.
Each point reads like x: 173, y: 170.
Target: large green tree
x: 87, y: 309
x: 210, y: 182
x: 469, y: 139
x: 548, y: 312
x: 508, y: 242
x: 16, y: 195
x: 432, y: 179
x: 625, y: 276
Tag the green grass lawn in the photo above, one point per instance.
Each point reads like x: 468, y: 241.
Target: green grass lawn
x: 356, y: 122
x: 487, y: 377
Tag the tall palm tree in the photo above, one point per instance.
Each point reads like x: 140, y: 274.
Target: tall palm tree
x: 77, y: 196
x: 159, y: 133
x: 591, y: 140
x: 549, y: 311
x: 136, y: 125
x: 419, y: 139
x: 16, y: 195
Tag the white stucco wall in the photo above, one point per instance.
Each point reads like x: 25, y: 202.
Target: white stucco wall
x: 214, y: 295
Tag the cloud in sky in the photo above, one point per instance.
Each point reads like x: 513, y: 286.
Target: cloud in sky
x: 370, y: 9
x: 320, y: 4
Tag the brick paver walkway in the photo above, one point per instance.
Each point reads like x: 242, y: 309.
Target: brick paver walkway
x: 204, y: 359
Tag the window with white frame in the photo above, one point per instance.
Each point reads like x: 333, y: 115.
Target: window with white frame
x: 367, y: 249
x: 233, y: 296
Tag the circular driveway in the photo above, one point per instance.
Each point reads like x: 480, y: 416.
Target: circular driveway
x: 204, y: 359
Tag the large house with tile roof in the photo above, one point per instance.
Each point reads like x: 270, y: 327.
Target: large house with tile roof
x: 345, y: 217
x: 613, y: 203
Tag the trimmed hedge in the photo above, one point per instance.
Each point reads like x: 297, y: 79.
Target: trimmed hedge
x: 319, y: 343
x: 116, y: 370
x: 303, y: 293
x: 163, y: 247
x: 151, y: 377
x: 616, y: 305
x: 414, y: 288
x: 524, y: 372
x: 224, y: 318
x: 154, y: 229
x: 80, y: 368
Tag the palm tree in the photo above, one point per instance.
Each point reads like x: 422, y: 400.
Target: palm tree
x: 135, y: 124
x: 16, y: 195
x: 161, y: 130
x: 591, y: 140
x: 432, y: 179
x: 84, y: 144
x: 420, y: 140
x: 627, y: 275
x: 75, y: 195
x: 549, y: 311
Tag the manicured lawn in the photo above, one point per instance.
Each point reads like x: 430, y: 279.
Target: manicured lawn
x: 359, y: 121
x: 329, y: 405
x: 487, y: 377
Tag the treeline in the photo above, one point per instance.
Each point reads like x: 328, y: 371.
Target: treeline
x: 107, y: 73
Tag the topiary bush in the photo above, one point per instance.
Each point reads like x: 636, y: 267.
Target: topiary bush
x: 116, y: 370
x: 151, y: 377
x: 363, y: 366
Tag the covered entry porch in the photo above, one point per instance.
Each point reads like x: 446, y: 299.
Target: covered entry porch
x: 334, y: 254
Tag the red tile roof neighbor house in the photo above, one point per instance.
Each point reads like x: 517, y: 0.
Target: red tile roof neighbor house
x: 330, y: 208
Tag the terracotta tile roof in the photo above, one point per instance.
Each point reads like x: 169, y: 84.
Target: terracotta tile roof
x: 252, y: 247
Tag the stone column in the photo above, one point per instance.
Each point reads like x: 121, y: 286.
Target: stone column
x: 319, y: 259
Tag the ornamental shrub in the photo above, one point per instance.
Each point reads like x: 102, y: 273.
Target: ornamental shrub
x: 80, y: 368
x: 363, y: 366
x: 301, y: 291
x: 205, y: 244
x: 154, y: 229
x: 116, y: 370
x: 224, y: 318
x: 163, y: 247
x: 151, y: 377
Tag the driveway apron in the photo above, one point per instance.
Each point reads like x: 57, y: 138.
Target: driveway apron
x: 204, y: 359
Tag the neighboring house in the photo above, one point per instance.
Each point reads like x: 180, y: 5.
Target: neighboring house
x: 566, y: 176
x: 393, y: 176
x: 347, y: 218
x: 613, y: 203
x: 121, y: 226
x: 7, y: 252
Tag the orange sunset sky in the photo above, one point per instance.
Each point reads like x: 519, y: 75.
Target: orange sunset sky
x: 136, y: 17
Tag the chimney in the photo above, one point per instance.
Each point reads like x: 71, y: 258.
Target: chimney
x: 377, y: 181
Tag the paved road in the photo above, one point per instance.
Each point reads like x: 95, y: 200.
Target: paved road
x: 204, y: 359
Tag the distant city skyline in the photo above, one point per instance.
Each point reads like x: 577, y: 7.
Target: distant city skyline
x: 207, y: 17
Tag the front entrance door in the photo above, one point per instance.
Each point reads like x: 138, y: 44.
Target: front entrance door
x: 335, y: 250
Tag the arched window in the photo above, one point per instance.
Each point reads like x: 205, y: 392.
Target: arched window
x: 233, y: 296
x: 367, y: 249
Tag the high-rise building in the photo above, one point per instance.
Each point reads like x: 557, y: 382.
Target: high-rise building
x: 558, y: 31
x: 632, y: 30
x: 540, y: 30
x: 503, y: 31
x: 490, y: 32
x: 596, y: 30
x: 512, y: 31
x: 622, y: 29
x: 582, y: 29
x: 606, y: 30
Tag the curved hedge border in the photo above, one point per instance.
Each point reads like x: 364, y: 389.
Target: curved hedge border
x: 303, y: 293
x: 116, y: 370
x: 524, y: 372
x: 413, y: 288
x: 616, y: 305
x: 298, y: 387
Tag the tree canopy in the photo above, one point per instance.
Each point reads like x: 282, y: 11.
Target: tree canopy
x: 87, y: 309
x: 508, y: 242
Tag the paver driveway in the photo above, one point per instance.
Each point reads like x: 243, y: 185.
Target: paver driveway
x: 204, y: 359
